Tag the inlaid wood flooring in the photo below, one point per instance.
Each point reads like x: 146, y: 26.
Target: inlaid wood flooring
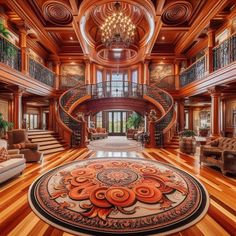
x: 16, y: 217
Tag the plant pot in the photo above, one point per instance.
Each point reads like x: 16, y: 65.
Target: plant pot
x: 188, y: 145
x: 203, y: 132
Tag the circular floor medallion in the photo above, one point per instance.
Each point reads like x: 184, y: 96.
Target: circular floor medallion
x: 118, y: 196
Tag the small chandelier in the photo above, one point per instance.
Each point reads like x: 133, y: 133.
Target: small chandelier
x: 117, y: 30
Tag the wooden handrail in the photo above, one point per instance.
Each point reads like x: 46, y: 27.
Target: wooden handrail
x: 2, y: 36
x: 232, y: 35
x: 193, y: 64
x: 42, y: 65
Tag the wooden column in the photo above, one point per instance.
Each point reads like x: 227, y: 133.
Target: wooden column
x: 51, y: 118
x: 56, y: 70
x: 24, y: 50
x: 17, y: 108
x: 180, y: 114
x: 177, y: 71
x: 211, y: 44
x: 215, y: 111
x: 146, y: 72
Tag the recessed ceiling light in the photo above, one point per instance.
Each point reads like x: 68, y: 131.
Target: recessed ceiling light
x: 164, y: 58
x: 163, y: 37
x: 117, y: 49
x: 69, y: 57
x: 71, y: 38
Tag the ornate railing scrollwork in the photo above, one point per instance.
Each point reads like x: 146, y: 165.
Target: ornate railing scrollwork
x: 75, y: 126
x: 164, y: 123
x: 196, y: 71
x: 117, y: 89
x: 224, y: 53
x: 10, y: 54
x: 41, y: 73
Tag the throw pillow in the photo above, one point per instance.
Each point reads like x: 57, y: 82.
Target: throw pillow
x: 3, y: 154
x: 19, y: 145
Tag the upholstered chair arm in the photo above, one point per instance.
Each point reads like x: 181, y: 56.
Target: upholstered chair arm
x: 32, y: 146
x: 16, y: 156
x: 13, y: 151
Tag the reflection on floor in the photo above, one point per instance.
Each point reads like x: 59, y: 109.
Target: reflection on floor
x: 115, y: 144
x: 117, y: 154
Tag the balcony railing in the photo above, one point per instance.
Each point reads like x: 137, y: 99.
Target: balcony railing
x: 117, y: 89
x: 41, y: 73
x: 224, y: 53
x: 196, y: 71
x: 10, y: 54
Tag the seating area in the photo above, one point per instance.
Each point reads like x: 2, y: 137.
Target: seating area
x: 97, y: 133
x: 134, y: 133
x: 221, y: 153
x: 12, y: 163
x: 19, y: 139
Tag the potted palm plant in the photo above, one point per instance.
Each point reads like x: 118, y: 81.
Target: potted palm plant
x: 187, y: 141
x: 4, y: 125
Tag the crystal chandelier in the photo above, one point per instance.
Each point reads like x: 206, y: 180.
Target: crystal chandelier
x: 118, y: 30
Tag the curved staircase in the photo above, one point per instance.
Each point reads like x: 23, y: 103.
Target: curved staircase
x: 160, y: 132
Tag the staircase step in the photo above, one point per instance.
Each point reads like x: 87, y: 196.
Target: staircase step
x: 52, y: 146
x: 43, y: 136
x: 50, y: 142
x: 35, y: 140
x: 50, y: 151
x: 30, y: 133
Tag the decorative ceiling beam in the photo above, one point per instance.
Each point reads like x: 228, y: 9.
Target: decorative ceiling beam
x: 59, y: 28
x: 174, y: 28
x: 208, y: 12
x: 24, y: 11
x: 158, y: 25
x: 74, y: 7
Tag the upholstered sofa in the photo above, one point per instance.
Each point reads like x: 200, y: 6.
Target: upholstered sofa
x: 19, y: 139
x: 221, y: 153
x: 130, y: 133
x: 13, y: 165
x: 97, y: 133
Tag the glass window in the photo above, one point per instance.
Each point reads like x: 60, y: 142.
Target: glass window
x: 134, y: 76
x: 99, y: 76
x: 99, y: 119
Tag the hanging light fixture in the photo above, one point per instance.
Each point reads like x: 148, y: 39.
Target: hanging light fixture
x: 118, y: 30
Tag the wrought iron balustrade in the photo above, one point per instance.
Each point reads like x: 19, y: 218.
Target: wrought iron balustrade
x: 41, y: 73
x: 196, y: 71
x: 10, y: 54
x: 168, y: 83
x: 224, y: 53
x: 117, y: 89
x: 167, y: 102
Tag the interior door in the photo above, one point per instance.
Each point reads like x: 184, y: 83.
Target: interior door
x: 117, y: 122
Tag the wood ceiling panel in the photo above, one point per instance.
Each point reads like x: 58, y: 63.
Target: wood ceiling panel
x: 168, y: 37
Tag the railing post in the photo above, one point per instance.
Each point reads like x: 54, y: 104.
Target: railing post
x: 24, y: 53
x: 211, y: 44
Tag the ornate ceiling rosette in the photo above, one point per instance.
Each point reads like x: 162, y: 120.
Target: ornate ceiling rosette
x: 57, y: 13
x: 93, y: 15
x: 103, y: 11
x: 176, y: 13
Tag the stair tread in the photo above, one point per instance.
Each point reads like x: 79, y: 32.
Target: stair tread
x: 54, y: 150
x: 51, y: 146
x: 35, y: 140
x: 42, y: 136
x: 54, y: 141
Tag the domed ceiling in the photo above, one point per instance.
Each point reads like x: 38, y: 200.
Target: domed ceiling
x: 95, y: 16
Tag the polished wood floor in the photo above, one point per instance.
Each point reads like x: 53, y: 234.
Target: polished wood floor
x: 17, y: 218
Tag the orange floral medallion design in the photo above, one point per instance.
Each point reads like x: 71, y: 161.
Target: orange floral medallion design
x: 118, y: 195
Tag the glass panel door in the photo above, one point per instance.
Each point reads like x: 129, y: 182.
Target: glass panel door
x: 117, y: 122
